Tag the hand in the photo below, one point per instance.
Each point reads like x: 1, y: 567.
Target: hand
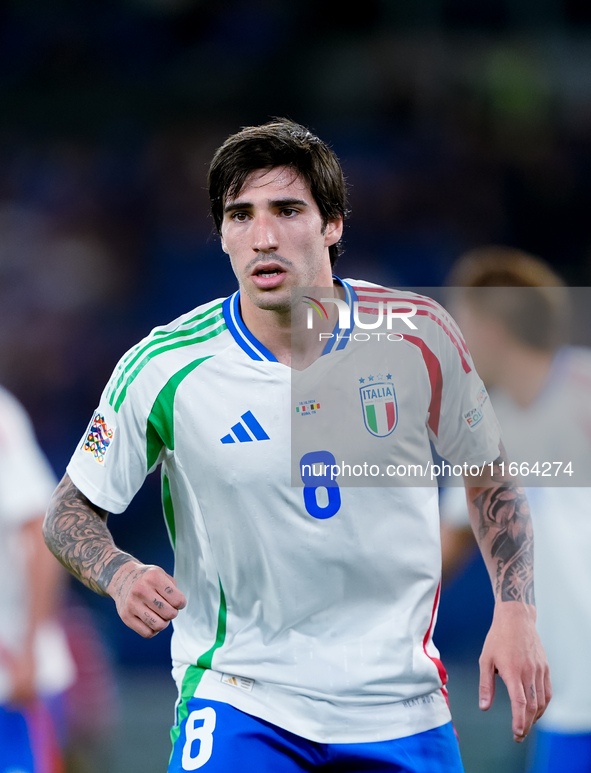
x: 147, y: 598
x: 514, y: 651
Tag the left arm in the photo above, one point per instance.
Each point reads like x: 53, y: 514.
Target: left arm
x: 500, y: 518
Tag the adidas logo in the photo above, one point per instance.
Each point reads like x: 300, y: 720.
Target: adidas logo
x: 241, y: 433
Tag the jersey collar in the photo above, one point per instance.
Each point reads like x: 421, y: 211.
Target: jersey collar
x: 255, y: 349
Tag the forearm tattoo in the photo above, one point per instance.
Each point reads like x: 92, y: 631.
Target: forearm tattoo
x: 76, y: 533
x: 504, y: 524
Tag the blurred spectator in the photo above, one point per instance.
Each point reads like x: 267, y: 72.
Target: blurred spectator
x: 540, y: 389
x: 35, y: 662
x: 91, y: 709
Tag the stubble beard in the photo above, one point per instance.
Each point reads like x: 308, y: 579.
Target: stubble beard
x: 282, y: 300
x: 267, y: 300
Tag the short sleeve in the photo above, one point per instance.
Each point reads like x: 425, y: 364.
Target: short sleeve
x: 468, y: 430
x: 26, y: 478
x: 110, y: 463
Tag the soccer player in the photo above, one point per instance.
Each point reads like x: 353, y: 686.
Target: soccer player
x: 302, y: 614
x: 541, y: 390
x: 35, y: 662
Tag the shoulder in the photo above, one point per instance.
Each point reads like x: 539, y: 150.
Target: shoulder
x: 428, y: 321
x: 192, y: 322
x: 369, y: 295
x: 166, y: 350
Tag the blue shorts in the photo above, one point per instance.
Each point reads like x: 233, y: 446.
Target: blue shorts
x: 218, y: 738
x: 551, y: 752
x: 28, y: 740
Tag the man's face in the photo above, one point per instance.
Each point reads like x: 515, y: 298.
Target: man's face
x: 274, y: 235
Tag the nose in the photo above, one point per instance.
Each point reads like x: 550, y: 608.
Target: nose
x: 265, y: 237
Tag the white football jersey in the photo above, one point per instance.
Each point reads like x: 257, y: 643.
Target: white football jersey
x: 556, y: 423
x: 312, y: 595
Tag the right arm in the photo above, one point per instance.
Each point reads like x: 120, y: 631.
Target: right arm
x: 76, y: 532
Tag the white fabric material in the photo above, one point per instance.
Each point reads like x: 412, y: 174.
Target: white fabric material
x: 26, y: 484
x: 561, y: 519
x: 330, y: 616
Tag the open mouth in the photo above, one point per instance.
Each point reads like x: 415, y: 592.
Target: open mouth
x: 268, y: 272
x: 268, y: 277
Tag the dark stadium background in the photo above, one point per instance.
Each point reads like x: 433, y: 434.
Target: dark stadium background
x: 458, y: 122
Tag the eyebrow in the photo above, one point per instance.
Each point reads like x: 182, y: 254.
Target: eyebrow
x: 273, y: 204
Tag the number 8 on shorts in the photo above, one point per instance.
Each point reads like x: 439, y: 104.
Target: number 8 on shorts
x: 198, y: 738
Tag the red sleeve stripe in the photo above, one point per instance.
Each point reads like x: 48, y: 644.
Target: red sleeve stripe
x: 421, y: 300
x: 424, y: 313
x: 417, y: 300
x: 435, y: 379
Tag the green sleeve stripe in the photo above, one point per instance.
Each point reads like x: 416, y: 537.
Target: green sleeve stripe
x: 168, y: 510
x: 167, y: 338
x: 163, y: 340
x: 160, y: 428
x: 117, y: 402
x: 158, y: 334
x: 194, y: 674
x: 155, y: 337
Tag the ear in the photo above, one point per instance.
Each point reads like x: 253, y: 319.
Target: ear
x: 333, y: 231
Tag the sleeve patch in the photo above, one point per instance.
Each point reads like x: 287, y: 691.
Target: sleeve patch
x: 475, y: 415
x: 98, y: 438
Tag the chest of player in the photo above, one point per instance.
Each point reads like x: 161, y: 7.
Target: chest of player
x: 254, y: 420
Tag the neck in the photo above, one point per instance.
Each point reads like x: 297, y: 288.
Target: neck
x: 524, y: 373
x: 283, y: 331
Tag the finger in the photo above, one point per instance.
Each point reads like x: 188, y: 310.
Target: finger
x: 155, y: 583
x: 155, y: 601
x: 533, y: 695
x: 173, y: 595
x: 153, y: 621
x: 139, y: 626
x: 541, y: 693
x: 142, y: 619
x: 147, y: 624
x: 546, y: 695
x: 162, y: 608
x: 486, y: 689
x: 547, y: 685
x: 519, y: 710
x: 143, y: 629
x: 165, y: 585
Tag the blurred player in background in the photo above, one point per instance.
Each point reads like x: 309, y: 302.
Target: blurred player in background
x: 35, y: 662
x: 541, y: 391
x: 303, y: 618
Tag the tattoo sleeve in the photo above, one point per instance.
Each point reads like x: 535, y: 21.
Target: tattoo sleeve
x: 505, y: 530
x: 76, y: 532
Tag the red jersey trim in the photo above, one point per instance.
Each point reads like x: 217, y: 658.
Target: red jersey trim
x: 440, y: 667
x: 446, y: 323
x: 435, y: 379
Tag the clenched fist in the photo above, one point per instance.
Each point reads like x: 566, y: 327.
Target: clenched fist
x: 147, y: 598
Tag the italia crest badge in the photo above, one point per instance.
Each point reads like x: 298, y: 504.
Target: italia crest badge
x: 378, y: 402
